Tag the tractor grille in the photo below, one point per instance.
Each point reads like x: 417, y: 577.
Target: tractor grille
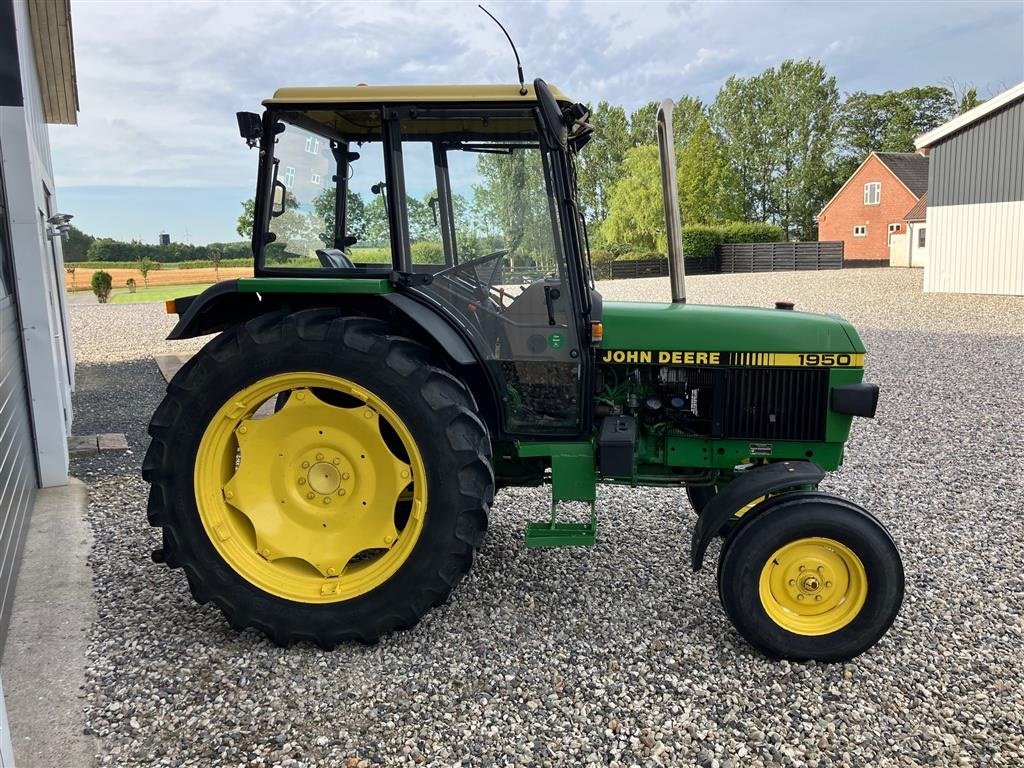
x: 779, y: 404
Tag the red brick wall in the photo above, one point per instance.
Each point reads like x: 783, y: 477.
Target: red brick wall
x: 848, y: 210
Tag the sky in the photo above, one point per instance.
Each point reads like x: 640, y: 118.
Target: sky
x: 156, y: 147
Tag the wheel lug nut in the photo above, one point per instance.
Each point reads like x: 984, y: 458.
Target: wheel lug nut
x: 336, y: 462
x: 327, y: 499
x: 828, y: 583
x: 265, y: 553
x: 341, y: 491
x: 300, y: 395
x: 305, y: 465
x: 345, y: 475
x: 799, y: 597
x: 243, y: 430
x: 302, y: 481
x: 792, y: 582
x: 405, y: 473
x: 310, y: 495
x: 332, y: 571
x: 802, y: 569
x: 319, y: 457
x: 368, y: 414
x: 817, y: 598
x: 229, y: 495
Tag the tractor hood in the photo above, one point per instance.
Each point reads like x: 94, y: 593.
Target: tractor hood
x: 702, y: 327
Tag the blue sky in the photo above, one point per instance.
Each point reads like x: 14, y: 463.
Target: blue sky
x: 157, y: 146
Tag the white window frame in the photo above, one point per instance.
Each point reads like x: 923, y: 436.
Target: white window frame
x: 860, y: 230
x: 894, y: 228
x: 313, y: 145
x: 921, y: 237
x: 873, y: 193
x: 289, y: 176
x: 315, y: 178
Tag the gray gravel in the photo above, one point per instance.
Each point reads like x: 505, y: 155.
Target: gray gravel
x: 616, y: 655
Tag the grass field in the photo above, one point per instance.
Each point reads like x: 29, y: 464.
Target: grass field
x: 157, y: 278
x: 156, y: 293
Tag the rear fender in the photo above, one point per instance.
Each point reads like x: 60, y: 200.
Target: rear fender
x: 748, y: 485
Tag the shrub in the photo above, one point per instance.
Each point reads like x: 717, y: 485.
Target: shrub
x: 102, y: 283
x: 207, y: 264
x: 641, y: 256
x: 130, y: 282
x: 425, y: 252
x: 751, y: 232
x: 700, y: 240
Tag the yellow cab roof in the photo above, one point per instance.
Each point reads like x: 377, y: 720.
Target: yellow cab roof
x: 363, y: 94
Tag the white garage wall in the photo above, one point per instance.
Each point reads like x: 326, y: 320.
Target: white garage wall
x: 976, y: 248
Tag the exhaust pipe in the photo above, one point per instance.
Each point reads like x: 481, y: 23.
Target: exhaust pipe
x: 670, y: 195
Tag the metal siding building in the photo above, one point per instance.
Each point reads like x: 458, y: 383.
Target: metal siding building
x: 36, y: 365
x: 975, y: 218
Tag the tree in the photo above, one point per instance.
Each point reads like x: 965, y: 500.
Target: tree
x: 355, y: 215
x: 76, y: 244
x: 601, y: 160
x: 244, y: 228
x: 779, y: 131
x: 643, y: 125
x: 709, y: 187
x: 145, y: 266
x: 688, y: 114
x: 636, y: 215
x: 295, y: 229
x: 101, y: 285
x: 890, y: 121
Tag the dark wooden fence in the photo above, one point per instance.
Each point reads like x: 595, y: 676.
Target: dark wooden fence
x: 744, y: 257
x: 779, y: 257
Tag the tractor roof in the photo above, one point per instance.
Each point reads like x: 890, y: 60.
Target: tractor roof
x: 450, y: 94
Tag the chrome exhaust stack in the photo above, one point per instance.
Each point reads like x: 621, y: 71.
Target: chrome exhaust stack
x: 670, y: 195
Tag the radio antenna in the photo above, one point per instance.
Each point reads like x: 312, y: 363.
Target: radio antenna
x: 519, y: 66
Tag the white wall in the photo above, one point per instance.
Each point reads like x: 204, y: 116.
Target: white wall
x: 976, y: 249
x: 918, y: 253
x: 38, y: 264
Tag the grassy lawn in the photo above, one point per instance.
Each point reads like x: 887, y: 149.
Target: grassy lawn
x: 155, y: 293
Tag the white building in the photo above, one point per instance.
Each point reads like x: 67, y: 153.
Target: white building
x: 37, y: 86
x: 974, y: 226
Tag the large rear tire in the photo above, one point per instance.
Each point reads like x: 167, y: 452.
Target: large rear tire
x: 318, y: 478
x: 811, y: 576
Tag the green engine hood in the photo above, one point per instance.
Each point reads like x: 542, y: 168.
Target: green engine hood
x: 702, y: 327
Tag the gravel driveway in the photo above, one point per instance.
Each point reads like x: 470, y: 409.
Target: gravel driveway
x: 618, y: 654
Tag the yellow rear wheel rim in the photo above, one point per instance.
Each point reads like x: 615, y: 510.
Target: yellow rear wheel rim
x: 813, y: 586
x: 320, y: 501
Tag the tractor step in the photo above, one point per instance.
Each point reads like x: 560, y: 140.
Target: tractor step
x: 547, y: 534
x: 551, y: 533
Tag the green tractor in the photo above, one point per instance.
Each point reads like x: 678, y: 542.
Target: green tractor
x: 423, y: 330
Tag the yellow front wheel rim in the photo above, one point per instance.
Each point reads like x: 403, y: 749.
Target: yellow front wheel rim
x: 813, y: 586
x: 320, y: 501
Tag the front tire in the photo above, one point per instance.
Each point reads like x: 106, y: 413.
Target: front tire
x: 317, y: 478
x: 812, y: 576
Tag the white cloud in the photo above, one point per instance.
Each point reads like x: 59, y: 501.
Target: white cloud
x: 160, y: 83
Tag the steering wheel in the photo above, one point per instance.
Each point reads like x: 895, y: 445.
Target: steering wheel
x: 478, y: 261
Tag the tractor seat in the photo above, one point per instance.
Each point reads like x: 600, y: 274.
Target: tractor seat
x: 334, y: 258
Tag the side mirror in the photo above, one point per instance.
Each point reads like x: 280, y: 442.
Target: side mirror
x: 250, y: 127
x: 551, y: 114
x: 279, y: 197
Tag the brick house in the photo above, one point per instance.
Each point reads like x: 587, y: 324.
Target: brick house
x: 872, y: 204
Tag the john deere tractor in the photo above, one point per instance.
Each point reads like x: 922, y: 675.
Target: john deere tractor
x: 423, y: 330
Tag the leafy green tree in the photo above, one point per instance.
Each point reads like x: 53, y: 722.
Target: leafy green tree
x: 101, y: 284
x: 779, y: 129
x: 688, y: 114
x: 601, y: 160
x: 76, y: 244
x: 145, y: 266
x: 377, y: 229
x: 636, y: 215
x: 643, y: 128
x: 890, y: 121
x: 969, y: 100
x: 355, y: 215
x: 245, y: 220
x: 709, y: 187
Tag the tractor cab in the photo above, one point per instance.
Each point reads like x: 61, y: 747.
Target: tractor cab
x: 463, y: 198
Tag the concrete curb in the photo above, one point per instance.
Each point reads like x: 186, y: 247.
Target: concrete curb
x: 44, y: 657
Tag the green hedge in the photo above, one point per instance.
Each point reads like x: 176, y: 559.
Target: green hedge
x: 200, y: 264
